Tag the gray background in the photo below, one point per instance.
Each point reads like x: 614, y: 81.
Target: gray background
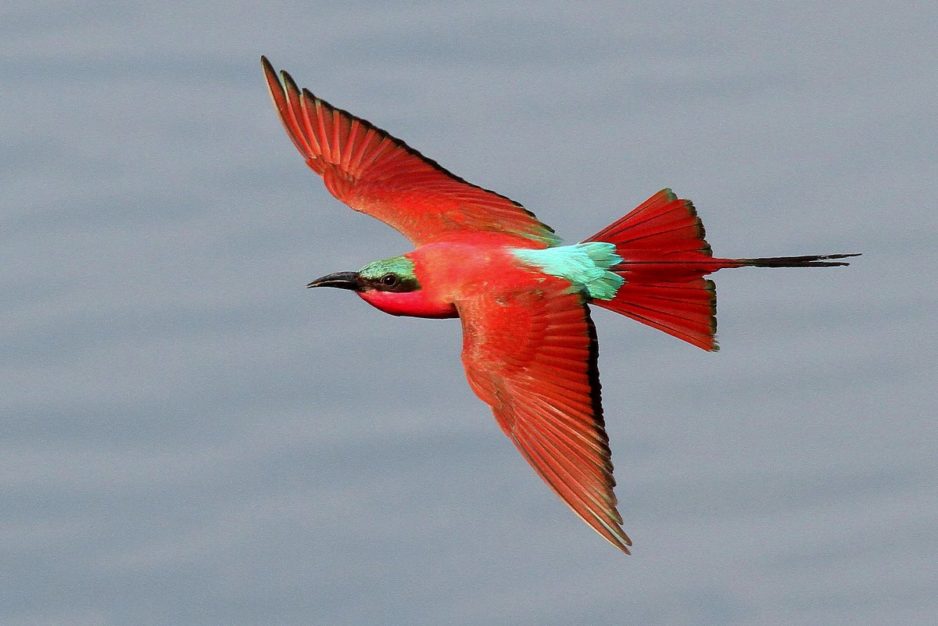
x: 189, y: 436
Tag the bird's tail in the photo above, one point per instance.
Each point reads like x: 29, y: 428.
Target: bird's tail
x: 664, y: 258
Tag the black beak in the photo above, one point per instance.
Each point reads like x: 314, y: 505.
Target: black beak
x: 340, y: 280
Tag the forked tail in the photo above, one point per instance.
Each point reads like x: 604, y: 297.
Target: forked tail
x: 664, y: 257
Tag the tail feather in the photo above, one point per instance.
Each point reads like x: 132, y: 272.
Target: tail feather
x: 664, y: 222
x: 683, y: 310
x: 665, y: 255
x: 813, y: 260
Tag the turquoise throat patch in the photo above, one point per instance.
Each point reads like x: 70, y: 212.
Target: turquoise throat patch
x: 586, y: 265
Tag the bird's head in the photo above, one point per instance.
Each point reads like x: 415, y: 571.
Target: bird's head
x: 390, y: 285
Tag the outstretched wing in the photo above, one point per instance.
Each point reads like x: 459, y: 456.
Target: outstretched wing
x: 372, y: 172
x: 531, y: 355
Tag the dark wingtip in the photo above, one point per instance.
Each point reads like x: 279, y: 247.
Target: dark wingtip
x: 288, y: 81
x: 269, y: 72
x: 268, y: 68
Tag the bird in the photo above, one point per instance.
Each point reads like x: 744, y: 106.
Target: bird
x: 529, y: 346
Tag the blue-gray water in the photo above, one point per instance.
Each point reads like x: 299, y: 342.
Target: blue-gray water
x: 188, y: 436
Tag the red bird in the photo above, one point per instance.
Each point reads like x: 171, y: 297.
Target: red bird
x: 529, y: 347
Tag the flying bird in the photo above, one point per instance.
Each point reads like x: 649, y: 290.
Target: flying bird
x: 529, y: 346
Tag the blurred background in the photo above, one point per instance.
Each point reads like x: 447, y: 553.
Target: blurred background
x: 188, y: 436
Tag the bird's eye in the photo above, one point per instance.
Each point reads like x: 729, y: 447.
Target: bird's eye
x: 389, y: 280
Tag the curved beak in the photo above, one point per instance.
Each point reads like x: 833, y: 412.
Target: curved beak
x: 340, y: 280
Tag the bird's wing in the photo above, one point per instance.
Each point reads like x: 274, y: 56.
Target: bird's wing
x: 375, y: 173
x: 531, y: 355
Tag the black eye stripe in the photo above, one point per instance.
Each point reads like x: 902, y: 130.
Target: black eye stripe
x: 393, y: 282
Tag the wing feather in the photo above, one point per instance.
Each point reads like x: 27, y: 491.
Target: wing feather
x: 531, y: 355
x: 377, y: 174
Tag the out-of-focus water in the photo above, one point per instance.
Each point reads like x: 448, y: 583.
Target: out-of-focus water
x: 189, y: 436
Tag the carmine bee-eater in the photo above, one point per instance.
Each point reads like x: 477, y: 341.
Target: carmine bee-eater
x: 529, y: 347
